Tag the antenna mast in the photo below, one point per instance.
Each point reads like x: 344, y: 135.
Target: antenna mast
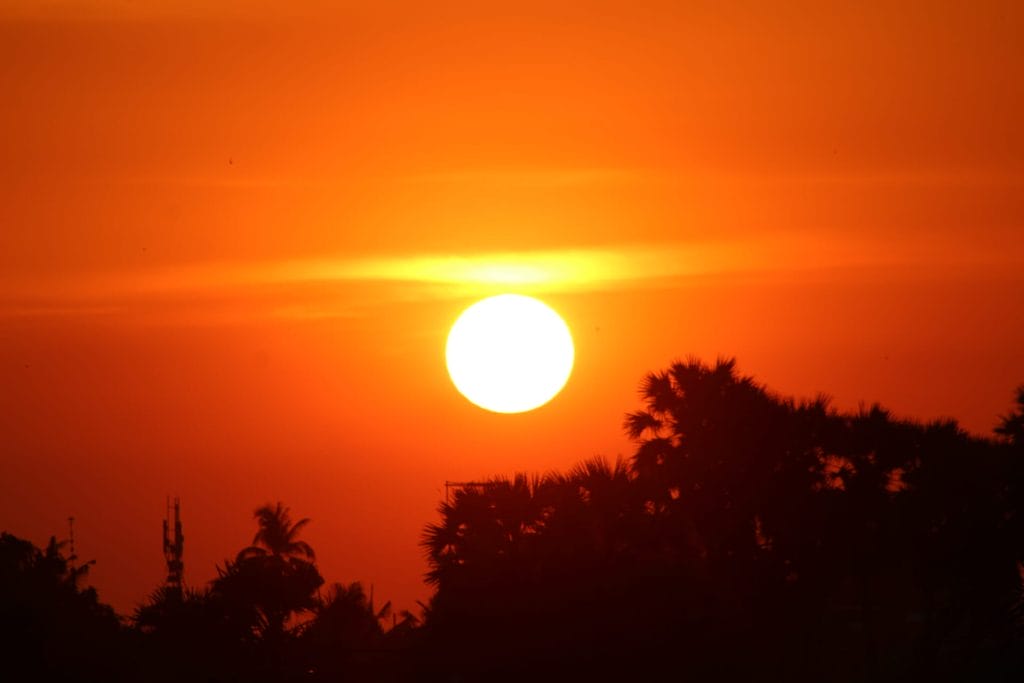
x: 449, y: 485
x: 174, y: 547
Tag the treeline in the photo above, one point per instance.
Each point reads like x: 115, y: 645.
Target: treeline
x: 750, y: 536
x: 268, y: 616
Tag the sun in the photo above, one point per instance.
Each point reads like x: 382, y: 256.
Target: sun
x: 509, y: 353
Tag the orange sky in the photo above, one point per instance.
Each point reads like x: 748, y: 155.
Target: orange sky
x: 232, y: 240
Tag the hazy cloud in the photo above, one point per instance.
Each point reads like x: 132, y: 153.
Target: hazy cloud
x: 339, y: 284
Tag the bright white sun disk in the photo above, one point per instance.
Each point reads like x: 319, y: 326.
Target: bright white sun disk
x: 509, y: 353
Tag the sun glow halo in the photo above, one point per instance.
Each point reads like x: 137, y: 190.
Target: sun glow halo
x: 509, y: 353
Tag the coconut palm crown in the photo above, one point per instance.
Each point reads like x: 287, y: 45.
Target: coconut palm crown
x: 278, y: 536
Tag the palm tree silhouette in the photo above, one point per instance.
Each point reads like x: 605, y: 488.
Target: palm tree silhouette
x: 269, y: 583
x: 277, y: 536
x: 745, y: 521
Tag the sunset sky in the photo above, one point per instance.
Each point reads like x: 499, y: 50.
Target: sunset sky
x: 233, y: 237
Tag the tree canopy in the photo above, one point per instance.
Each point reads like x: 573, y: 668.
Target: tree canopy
x: 814, y: 543
x: 749, y: 535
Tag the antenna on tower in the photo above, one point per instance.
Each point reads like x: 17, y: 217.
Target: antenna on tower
x: 174, y: 547
x: 449, y: 485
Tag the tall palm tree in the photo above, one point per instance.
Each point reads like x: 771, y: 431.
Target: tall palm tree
x: 277, y: 536
x: 272, y: 580
x: 483, y: 528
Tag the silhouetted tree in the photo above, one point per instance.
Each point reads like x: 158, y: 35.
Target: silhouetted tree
x: 344, y: 637
x: 50, y: 627
x: 195, y: 634
x: 1011, y: 426
x: 278, y: 536
x: 276, y: 576
x: 751, y: 535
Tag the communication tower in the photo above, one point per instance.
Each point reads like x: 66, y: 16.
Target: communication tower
x: 174, y: 546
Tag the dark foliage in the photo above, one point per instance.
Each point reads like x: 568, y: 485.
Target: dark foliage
x: 265, y: 619
x: 51, y: 629
x: 750, y: 537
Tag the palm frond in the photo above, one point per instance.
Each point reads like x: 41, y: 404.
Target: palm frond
x: 640, y: 422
